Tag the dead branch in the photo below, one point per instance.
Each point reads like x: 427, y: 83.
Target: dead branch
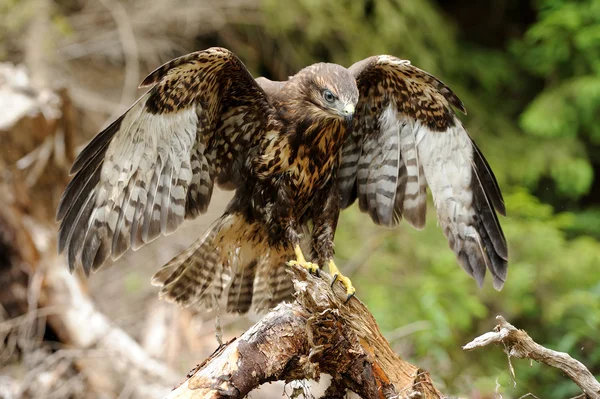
x: 317, y: 333
x: 80, y: 325
x: 519, y: 344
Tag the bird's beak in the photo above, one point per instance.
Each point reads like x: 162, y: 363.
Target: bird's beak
x: 348, y: 110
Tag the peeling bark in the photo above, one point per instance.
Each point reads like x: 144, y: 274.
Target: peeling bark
x: 317, y: 333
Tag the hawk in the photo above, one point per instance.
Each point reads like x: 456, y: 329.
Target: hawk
x: 296, y: 153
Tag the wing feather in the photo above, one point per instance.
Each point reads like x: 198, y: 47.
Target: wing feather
x: 347, y: 173
x: 156, y: 165
x: 414, y: 200
x: 407, y: 135
x: 383, y: 174
x: 488, y: 180
x: 362, y: 175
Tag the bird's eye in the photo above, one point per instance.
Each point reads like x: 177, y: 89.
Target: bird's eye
x: 328, y: 96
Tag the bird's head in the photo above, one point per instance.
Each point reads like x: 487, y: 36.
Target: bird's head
x: 327, y: 91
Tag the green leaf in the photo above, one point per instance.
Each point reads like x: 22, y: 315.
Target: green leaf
x: 550, y: 115
x: 573, y: 176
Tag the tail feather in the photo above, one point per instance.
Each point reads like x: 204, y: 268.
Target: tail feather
x: 227, y: 258
x: 239, y: 298
x: 188, y: 278
x: 272, y: 284
x: 281, y: 285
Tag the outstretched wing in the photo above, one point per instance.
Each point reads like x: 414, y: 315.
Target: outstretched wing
x: 156, y: 165
x: 407, y: 137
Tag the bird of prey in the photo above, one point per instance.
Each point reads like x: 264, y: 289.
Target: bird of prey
x: 296, y: 153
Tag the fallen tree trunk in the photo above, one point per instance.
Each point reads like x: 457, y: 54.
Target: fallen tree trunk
x: 317, y: 333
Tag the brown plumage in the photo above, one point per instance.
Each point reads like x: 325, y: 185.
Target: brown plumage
x: 296, y: 152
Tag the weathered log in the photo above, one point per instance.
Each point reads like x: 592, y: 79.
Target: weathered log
x: 317, y: 333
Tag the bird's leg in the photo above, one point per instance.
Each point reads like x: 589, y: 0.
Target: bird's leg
x: 301, y: 261
x: 338, y: 276
x: 325, y: 216
x: 283, y: 217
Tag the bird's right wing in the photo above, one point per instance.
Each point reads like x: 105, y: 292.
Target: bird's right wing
x: 406, y: 137
x: 156, y: 164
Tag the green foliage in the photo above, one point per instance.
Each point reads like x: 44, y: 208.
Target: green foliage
x: 563, y: 48
x: 348, y: 31
x: 533, y: 107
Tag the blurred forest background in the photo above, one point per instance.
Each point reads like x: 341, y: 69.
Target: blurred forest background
x: 529, y: 75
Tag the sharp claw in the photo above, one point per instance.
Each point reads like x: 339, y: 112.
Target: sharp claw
x: 318, y: 272
x: 335, y: 277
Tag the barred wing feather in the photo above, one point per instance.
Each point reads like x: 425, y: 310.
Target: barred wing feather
x: 406, y: 137
x: 157, y: 164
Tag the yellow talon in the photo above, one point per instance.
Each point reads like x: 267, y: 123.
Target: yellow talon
x: 301, y: 261
x: 337, y: 276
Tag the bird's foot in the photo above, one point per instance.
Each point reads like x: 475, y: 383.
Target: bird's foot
x: 338, y: 276
x: 312, y: 268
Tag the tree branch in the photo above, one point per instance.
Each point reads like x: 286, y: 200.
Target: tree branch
x: 519, y: 344
x: 317, y: 333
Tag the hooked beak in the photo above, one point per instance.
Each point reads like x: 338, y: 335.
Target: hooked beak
x: 348, y: 110
x: 348, y: 113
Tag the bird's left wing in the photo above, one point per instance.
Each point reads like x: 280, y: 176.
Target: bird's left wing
x: 157, y: 164
x: 406, y: 137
